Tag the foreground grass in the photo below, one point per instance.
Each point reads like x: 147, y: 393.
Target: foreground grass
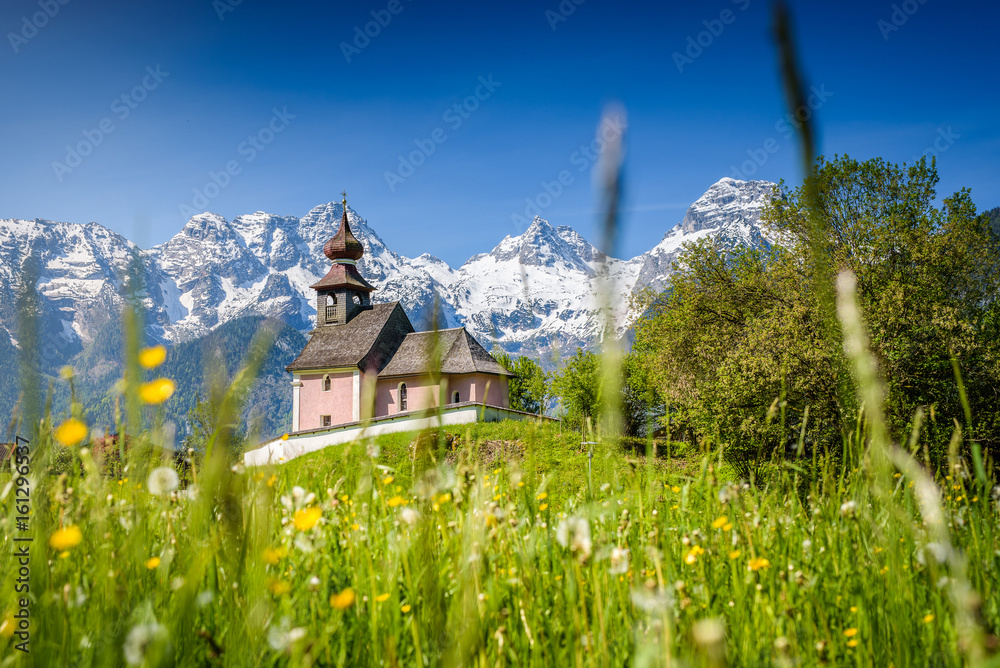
x: 379, y: 554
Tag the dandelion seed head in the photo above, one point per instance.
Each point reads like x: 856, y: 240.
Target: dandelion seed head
x: 162, y: 480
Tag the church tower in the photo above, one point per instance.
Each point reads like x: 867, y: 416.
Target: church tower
x: 343, y: 292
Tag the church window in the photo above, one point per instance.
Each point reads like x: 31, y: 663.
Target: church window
x: 402, y: 397
x: 325, y: 420
x: 331, y: 309
x: 326, y: 383
x: 455, y: 398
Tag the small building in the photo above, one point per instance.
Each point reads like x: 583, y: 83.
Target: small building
x: 365, y: 368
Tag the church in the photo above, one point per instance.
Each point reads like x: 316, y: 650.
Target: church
x: 365, y: 361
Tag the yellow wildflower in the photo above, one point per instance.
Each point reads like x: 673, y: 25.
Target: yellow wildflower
x: 387, y: 480
x: 66, y: 538
x: 728, y: 526
x: 284, y: 437
x: 543, y: 506
x: 396, y: 501
x: 675, y: 489
x: 273, y: 479
x: 735, y: 554
x: 406, y: 608
x: 928, y: 619
x: 355, y: 527
x: 852, y: 643
x: 344, y: 599
x: 382, y: 598
x: 306, y: 518
x: 274, y: 555
x: 757, y: 563
x: 542, y: 496
x: 851, y: 632
x: 279, y: 587
x: 150, y: 358
x: 720, y: 522
x: 692, y: 555
x: 71, y: 432
x: 157, y: 391
x: 152, y: 562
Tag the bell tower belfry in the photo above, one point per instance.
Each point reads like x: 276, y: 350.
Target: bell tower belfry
x: 343, y: 292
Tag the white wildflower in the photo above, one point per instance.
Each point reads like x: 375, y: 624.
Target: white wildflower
x: 708, y: 632
x: 936, y: 550
x: 651, y: 602
x: 141, y: 639
x: 409, y: 515
x: 162, y: 481
x: 282, y: 637
x: 574, y: 533
x: 619, y: 561
x: 847, y: 508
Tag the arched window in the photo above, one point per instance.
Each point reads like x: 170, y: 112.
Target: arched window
x: 455, y: 397
x: 326, y: 383
x: 402, y: 397
x: 331, y: 309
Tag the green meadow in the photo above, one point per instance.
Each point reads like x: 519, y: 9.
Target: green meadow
x: 505, y: 544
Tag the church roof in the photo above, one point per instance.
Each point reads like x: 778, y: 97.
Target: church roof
x: 459, y: 353
x: 368, y: 340
x: 343, y: 275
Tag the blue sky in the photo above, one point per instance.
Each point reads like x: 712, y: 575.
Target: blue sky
x: 211, y: 75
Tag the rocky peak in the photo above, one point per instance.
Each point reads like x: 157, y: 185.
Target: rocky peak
x: 727, y: 201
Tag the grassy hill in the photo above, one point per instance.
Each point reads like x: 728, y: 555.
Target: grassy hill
x: 542, y: 455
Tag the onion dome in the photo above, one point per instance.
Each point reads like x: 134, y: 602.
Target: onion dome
x: 344, y: 245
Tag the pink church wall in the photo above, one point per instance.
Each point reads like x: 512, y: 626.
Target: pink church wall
x: 421, y: 393
x: 496, y: 393
x: 338, y: 403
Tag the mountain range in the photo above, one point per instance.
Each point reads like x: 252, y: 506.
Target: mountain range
x: 532, y: 294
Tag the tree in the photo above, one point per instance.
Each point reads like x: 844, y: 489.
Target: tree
x: 993, y: 215
x: 739, y: 341
x: 528, y: 390
x: 578, y: 385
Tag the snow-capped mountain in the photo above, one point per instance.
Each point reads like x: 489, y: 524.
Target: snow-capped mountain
x: 535, y: 293
x: 729, y: 211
